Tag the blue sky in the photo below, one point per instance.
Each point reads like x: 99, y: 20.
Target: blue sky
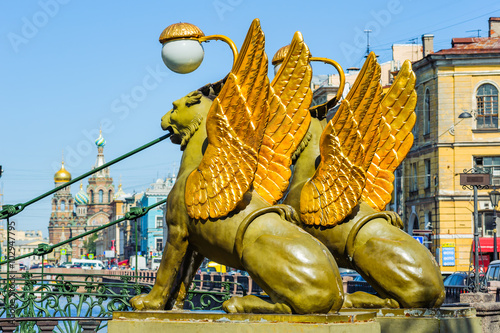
x: 70, y: 67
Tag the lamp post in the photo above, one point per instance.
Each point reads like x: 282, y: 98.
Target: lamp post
x: 494, y: 198
x: 475, y: 178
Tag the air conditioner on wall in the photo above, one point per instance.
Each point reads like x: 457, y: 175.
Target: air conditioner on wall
x: 484, y: 205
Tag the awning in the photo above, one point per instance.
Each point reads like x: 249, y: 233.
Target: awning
x: 486, y: 244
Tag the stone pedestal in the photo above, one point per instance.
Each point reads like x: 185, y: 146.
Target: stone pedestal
x: 486, y: 309
x: 192, y: 321
x: 456, y: 320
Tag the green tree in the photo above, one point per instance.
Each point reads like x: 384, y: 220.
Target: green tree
x: 89, y: 244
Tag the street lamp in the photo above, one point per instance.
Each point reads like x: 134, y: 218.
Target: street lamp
x: 465, y: 115
x: 474, y: 179
x: 494, y: 198
x: 182, y: 51
x: 462, y: 116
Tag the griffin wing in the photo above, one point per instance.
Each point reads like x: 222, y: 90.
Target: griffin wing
x: 347, y: 146
x: 290, y: 96
x: 398, y: 119
x: 235, y: 127
x: 338, y: 182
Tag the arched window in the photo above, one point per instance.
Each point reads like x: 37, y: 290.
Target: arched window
x: 91, y: 196
x: 414, y: 224
x: 109, y: 196
x: 101, y: 194
x: 427, y: 112
x: 487, y: 106
x: 62, y: 205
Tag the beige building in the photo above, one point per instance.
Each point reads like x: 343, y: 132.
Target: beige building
x: 465, y: 77
x: 325, y: 87
x: 25, y: 241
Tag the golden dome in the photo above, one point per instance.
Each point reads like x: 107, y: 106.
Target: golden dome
x: 62, y: 176
x: 280, y: 55
x: 180, y: 30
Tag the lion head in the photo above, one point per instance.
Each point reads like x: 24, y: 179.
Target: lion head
x: 185, y: 117
x: 188, y: 113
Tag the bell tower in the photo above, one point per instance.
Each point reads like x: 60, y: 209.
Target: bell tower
x: 100, y: 190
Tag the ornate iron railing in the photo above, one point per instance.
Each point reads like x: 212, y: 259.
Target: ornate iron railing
x: 38, y: 301
x: 73, y: 301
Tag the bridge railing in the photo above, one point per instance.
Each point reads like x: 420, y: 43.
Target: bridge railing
x: 46, y: 300
x: 69, y: 302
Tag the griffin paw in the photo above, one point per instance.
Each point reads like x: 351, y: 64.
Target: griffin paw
x: 147, y: 302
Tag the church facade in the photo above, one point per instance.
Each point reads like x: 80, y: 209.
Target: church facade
x: 87, y: 210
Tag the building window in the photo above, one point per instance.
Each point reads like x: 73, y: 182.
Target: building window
x: 413, y: 177
x: 63, y: 206
x: 101, y: 195
x: 159, y: 244
x: 486, y: 219
x: 109, y: 196
x: 487, y: 106
x: 91, y: 196
x: 428, y: 220
x: 427, y: 180
x: 427, y: 112
x: 159, y: 221
x: 491, y: 164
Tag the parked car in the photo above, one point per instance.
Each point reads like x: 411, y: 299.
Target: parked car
x: 358, y: 283
x: 359, y: 278
x: 208, y: 270
x: 457, y: 279
x: 66, y: 264
x: 493, y: 272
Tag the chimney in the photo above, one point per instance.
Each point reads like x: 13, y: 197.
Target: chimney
x: 494, y: 27
x: 428, y: 44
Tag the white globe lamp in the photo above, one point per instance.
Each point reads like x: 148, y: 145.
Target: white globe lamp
x: 182, y: 55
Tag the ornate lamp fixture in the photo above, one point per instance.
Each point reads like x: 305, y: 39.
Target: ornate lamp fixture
x: 182, y: 51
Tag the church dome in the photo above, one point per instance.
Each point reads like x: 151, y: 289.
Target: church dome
x: 81, y: 198
x: 100, y: 142
x: 62, y: 176
x: 120, y: 195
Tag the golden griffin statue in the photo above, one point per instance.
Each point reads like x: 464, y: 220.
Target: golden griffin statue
x: 267, y: 185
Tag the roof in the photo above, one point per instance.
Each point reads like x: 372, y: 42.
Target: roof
x: 473, y: 45
x: 33, y: 242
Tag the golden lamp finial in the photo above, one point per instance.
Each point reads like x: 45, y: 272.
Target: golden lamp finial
x: 182, y: 51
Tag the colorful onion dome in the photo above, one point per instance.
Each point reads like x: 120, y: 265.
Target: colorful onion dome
x: 62, y: 176
x: 100, y: 142
x: 81, y: 198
